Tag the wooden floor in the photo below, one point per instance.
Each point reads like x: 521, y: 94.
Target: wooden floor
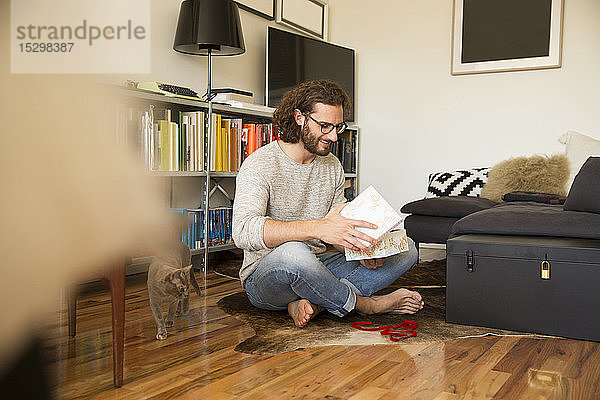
x: 197, y: 361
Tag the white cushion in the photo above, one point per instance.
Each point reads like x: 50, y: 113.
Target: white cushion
x: 578, y: 148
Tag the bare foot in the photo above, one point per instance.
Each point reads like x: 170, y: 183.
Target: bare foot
x: 303, y: 311
x: 401, y: 301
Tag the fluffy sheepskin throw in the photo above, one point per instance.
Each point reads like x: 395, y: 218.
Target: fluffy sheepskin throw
x: 529, y: 174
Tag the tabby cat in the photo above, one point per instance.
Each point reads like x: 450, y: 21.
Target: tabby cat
x: 169, y: 278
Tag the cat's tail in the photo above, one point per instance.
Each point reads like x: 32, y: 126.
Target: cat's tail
x: 194, y: 283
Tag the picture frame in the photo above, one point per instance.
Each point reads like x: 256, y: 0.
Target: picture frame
x: 308, y: 16
x: 510, y: 35
x: 262, y: 8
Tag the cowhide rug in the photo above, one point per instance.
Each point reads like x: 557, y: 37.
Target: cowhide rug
x: 276, y: 333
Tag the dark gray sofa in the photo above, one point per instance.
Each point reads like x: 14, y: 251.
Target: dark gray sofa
x: 435, y: 220
x: 522, y: 266
x: 431, y: 220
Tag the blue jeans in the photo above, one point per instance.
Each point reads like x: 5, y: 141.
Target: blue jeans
x: 292, y: 271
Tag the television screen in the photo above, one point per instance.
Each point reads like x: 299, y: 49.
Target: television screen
x: 292, y: 59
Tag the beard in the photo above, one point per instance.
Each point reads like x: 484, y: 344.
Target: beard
x: 311, y: 142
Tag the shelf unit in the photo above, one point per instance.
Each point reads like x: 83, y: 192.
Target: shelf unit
x: 143, y: 99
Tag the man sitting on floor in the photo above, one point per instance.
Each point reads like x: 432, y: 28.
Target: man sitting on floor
x: 288, y: 199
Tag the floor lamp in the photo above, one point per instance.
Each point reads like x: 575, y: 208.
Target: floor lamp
x: 209, y: 28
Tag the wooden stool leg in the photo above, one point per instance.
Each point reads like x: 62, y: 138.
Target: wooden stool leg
x: 72, y: 310
x: 117, y: 287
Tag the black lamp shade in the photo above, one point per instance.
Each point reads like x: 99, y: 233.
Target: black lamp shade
x: 209, y: 24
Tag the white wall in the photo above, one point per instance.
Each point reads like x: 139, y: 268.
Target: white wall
x: 416, y: 118
x: 246, y: 71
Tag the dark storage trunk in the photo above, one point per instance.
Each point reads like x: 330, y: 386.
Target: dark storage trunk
x: 532, y: 284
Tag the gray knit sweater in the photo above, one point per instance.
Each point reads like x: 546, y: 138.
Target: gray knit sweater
x: 272, y: 185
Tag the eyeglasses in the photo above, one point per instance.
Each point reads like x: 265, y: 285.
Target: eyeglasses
x: 327, y: 127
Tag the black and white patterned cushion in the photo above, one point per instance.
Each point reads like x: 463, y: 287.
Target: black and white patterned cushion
x: 466, y: 182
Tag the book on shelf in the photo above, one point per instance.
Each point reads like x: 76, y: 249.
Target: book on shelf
x: 146, y: 131
x: 216, y: 143
x: 243, y: 143
x: 164, y: 134
x: 191, y: 151
x: 345, y: 150
x: 223, y: 141
x: 184, y: 139
x: 258, y: 131
x: 251, y: 137
x: 174, y: 144
x: 219, y: 226
x: 370, y: 206
x: 353, y: 152
x: 348, y: 154
x: 193, y: 123
x: 233, y: 153
x: 215, y: 147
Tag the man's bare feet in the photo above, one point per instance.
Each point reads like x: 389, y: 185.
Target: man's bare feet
x: 303, y: 311
x: 402, y: 301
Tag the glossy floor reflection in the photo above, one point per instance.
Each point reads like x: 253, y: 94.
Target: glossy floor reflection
x: 197, y: 360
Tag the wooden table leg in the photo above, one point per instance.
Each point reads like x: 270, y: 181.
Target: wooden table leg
x: 116, y: 280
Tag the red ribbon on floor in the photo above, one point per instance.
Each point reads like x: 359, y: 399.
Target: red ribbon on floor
x: 396, y: 333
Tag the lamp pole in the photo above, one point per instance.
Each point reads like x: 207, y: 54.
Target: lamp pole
x: 207, y: 137
x: 204, y: 26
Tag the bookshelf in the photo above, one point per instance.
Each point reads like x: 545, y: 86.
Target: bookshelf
x: 220, y: 184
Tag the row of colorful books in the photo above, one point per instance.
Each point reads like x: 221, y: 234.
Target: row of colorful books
x: 233, y: 141
x: 180, y: 146
x: 171, y: 146
x: 219, y: 226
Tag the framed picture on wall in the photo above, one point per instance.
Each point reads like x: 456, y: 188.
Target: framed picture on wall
x: 308, y: 16
x: 507, y: 35
x: 263, y: 8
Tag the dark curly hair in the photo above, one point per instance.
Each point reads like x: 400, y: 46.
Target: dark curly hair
x: 303, y: 97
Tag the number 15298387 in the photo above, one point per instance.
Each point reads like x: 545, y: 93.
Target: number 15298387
x: 50, y: 47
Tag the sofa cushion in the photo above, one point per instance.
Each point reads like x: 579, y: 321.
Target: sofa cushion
x: 530, y: 219
x: 585, y: 191
x: 464, y: 182
x: 428, y: 229
x: 449, y: 206
x: 530, y: 174
x: 578, y: 148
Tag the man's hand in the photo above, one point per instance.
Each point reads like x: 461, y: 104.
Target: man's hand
x: 373, y: 263
x: 338, y: 230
